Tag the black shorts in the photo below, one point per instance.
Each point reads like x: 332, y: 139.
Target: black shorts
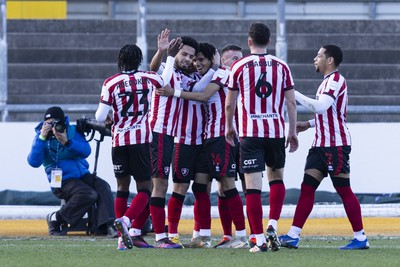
x: 238, y: 172
x: 188, y: 160
x: 332, y: 160
x: 162, y: 148
x: 256, y: 152
x: 221, y: 157
x: 132, y: 160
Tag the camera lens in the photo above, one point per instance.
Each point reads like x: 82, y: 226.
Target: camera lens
x: 59, y: 126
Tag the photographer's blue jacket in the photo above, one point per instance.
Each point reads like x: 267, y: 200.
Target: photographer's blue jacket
x: 52, y: 154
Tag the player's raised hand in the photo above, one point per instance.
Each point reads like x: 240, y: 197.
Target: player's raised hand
x: 163, y: 40
x: 174, y: 47
x: 216, y: 60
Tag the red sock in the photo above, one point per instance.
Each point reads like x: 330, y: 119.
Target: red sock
x: 225, y: 215
x: 276, y: 199
x: 351, y: 206
x: 141, y: 219
x: 250, y: 226
x: 175, y: 204
x: 204, y: 209
x: 304, y: 205
x: 121, y: 204
x: 138, y: 204
x: 254, y: 210
x: 236, y: 212
x: 157, y: 210
x: 196, y: 220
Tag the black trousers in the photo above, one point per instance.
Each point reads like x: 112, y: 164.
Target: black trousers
x: 81, y: 194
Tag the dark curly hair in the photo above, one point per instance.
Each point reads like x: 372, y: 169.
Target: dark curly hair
x: 189, y: 41
x: 130, y: 57
x: 335, y: 52
x: 259, y: 33
x: 208, y: 50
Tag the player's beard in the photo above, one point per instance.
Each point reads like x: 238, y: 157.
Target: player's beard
x: 184, y: 65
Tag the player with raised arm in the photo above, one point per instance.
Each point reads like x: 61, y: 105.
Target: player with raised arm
x: 220, y: 155
x: 164, y: 123
x: 128, y: 93
x: 330, y: 151
x: 189, y: 158
x: 263, y: 82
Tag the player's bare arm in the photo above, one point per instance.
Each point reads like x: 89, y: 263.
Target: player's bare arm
x: 302, y: 126
x: 210, y: 90
x: 291, y: 141
x: 230, y: 105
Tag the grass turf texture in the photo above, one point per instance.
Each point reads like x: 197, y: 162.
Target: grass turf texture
x: 89, y: 251
x: 25, y: 243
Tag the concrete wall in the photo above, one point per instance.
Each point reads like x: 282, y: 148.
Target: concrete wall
x: 374, y: 160
x: 235, y: 9
x: 64, y: 62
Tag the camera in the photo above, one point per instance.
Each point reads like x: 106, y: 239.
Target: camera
x: 85, y: 125
x: 60, y: 126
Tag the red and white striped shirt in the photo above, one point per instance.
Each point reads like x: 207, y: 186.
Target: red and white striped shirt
x: 262, y: 81
x: 215, y: 106
x: 165, y: 110
x: 331, y: 128
x: 191, y: 118
x: 129, y: 95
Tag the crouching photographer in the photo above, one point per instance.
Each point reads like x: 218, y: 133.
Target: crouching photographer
x: 62, y: 150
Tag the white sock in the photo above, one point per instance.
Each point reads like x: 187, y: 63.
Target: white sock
x: 240, y: 233
x: 160, y: 236
x: 205, y: 232
x: 294, y: 232
x: 127, y: 221
x: 273, y: 223
x: 260, y: 239
x: 135, y: 232
x: 195, y: 234
x: 360, y: 235
x: 172, y: 235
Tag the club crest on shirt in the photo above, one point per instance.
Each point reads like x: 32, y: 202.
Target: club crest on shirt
x: 185, y: 171
x: 166, y: 170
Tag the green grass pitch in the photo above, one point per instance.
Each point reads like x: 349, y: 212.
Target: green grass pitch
x: 90, y: 251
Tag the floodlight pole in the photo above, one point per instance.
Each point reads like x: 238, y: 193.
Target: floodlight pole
x: 3, y: 60
x: 281, y: 44
x: 141, y: 31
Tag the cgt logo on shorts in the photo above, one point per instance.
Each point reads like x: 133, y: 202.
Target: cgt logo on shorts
x: 249, y: 162
x: 117, y: 168
x: 185, y: 171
